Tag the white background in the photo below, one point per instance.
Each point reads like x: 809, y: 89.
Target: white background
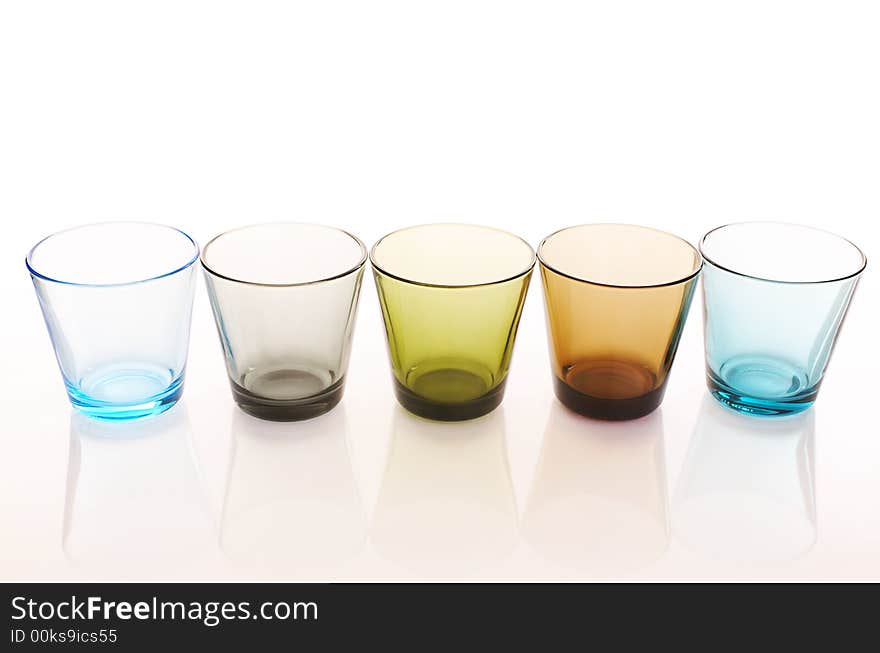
x: 371, y: 116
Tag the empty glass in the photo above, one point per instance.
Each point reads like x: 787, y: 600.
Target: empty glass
x: 451, y: 296
x: 117, y: 300
x: 775, y: 297
x: 617, y: 298
x: 284, y: 297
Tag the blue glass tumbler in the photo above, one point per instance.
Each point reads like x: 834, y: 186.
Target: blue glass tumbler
x: 775, y: 296
x: 117, y: 300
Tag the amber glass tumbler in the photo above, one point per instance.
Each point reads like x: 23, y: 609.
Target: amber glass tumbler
x: 617, y: 297
x: 451, y: 296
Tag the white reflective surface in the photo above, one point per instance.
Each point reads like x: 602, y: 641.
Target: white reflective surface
x: 748, y: 488
x: 370, y: 492
x: 598, y: 501
x: 134, y: 495
x: 291, y: 500
x: 527, y: 117
x: 446, y: 503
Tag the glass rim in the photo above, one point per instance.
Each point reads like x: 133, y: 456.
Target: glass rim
x: 861, y: 268
x: 665, y: 284
x: 360, y: 264
x: 28, y: 261
x: 451, y: 286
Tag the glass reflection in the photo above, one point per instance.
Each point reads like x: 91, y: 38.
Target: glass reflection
x: 291, y: 497
x: 747, y: 490
x: 446, y: 503
x: 598, y: 502
x: 134, y: 494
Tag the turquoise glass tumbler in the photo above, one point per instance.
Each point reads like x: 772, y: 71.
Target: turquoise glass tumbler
x: 775, y: 296
x: 117, y: 300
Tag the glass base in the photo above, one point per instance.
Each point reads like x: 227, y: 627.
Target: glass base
x: 605, y: 408
x: 120, y: 395
x: 761, y: 386
x: 448, y: 411
x: 288, y: 410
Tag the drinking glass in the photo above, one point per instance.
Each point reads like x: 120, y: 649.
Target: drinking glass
x: 775, y: 296
x: 117, y: 300
x: 284, y: 298
x: 451, y: 297
x: 617, y: 297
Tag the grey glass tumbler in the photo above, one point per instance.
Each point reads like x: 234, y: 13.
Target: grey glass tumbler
x: 284, y: 297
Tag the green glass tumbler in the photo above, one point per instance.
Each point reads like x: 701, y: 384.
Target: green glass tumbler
x: 451, y: 297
